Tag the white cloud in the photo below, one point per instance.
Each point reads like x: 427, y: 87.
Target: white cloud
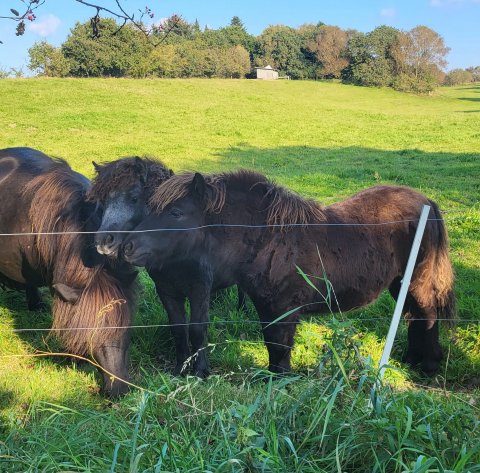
x: 388, y: 12
x: 45, y: 25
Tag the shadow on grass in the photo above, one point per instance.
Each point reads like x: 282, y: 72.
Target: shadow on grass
x: 32, y: 326
x: 476, y: 88
x: 33, y: 329
x: 331, y: 174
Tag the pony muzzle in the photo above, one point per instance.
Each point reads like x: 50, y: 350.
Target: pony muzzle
x: 107, y: 244
x: 134, y: 254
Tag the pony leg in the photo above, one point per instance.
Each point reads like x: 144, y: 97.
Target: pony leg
x: 433, y: 353
x: 175, y: 308
x: 414, y: 355
x: 34, y: 299
x: 279, y: 341
x: 199, y: 305
x: 416, y: 330
x: 423, y: 343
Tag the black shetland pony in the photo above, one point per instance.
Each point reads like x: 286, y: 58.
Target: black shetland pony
x: 123, y: 189
x: 359, y: 260
x: 44, y: 195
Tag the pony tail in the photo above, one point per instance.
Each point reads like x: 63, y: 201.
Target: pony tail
x: 444, y: 275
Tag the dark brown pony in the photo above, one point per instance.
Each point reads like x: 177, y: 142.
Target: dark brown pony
x: 123, y: 189
x: 361, y: 245
x: 44, y: 195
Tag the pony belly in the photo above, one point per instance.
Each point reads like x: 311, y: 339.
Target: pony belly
x: 354, y: 298
x: 11, y: 268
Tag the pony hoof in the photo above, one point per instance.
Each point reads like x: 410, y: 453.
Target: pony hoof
x: 180, y: 370
x: 430, y: 367
x: 202, y: 373
x: 38, y: 307
x: 115, y: 390
x: 412, y: 359
x: 279, y: 371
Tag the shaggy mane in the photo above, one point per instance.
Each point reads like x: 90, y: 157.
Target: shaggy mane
x: 125, y: 172
x: 56, y: 204
x: 284, y: 207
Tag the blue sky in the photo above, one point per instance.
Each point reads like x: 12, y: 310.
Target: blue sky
x: 458, y: 21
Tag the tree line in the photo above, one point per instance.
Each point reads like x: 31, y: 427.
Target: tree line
x: 405, y: 60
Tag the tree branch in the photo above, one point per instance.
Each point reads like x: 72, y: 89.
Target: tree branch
x: 119, y: 13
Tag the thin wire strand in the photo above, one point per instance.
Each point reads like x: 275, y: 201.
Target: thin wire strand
x: 211, y: 322
x: 169, y: 396
x: 234, y: 225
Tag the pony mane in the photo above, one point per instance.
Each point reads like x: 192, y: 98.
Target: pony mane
x: 282, y: 206
x: 106, y: 304
x: 56, y: 202
x: 125, y: 172
x: 56, y: 199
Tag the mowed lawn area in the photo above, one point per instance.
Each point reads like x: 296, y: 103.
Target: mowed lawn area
x: 325, y: 141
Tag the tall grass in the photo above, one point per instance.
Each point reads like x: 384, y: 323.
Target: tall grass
x: 305, y: 423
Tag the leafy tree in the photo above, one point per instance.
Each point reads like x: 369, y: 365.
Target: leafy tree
x: 458, y: 77
x: 196, y: 28
x: 330, y: 49
x: 307, y: 33
x: 236, y: 21
x: 475, y: 71
x: 420, y: 53
x: 192, y: 61
x: 281, y: 47
x: 161, y: 61
x: 371, y: 57
x: 115, y: 53
x: 47, y: 60
x: 4, y: 73
x: 235, y: 63
x: 227, y: 37
x: 174, y: 30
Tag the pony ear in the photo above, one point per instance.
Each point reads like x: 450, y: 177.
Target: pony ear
x: 141, y: 168
x: 198, y: 185
x: 67, y: 293
x: 96, y: 166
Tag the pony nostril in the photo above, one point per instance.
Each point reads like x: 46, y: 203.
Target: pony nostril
x: 109, y: 239
x: 128, y: 248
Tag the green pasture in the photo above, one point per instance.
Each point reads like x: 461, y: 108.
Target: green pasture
x: 326, y: 141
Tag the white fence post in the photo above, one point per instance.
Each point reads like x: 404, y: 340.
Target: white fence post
x: 402, y: 295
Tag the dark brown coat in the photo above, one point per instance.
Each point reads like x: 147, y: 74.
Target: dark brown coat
x: 361, y: 245
x: 43, y: 195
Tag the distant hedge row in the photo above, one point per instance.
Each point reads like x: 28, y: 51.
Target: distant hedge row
x: 406, y: 60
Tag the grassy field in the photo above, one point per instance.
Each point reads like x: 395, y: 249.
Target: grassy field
x: 325, y: 141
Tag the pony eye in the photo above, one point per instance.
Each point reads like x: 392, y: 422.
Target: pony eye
x: 134, y: 200
x: 175, y: 213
